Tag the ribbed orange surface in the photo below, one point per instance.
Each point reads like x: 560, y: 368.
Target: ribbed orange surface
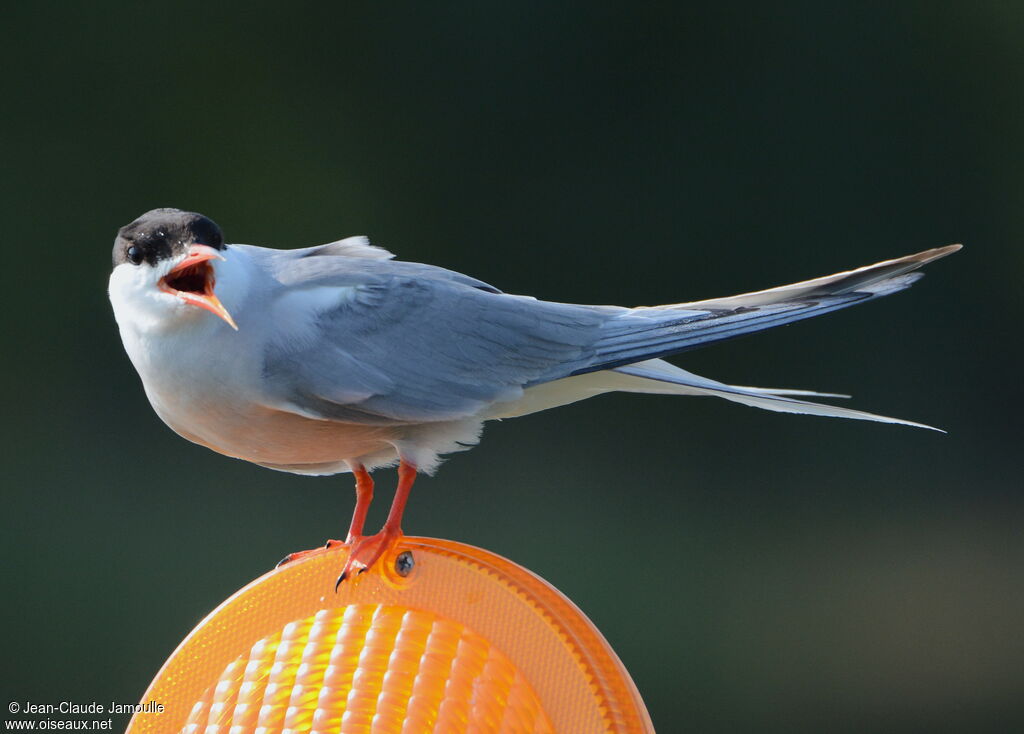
x: 461, y: 641
x: 370, y: 668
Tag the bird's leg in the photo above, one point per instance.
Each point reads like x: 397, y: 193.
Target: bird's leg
x: 406, y: 478
x: 366, y: 551
x: 364, y: 496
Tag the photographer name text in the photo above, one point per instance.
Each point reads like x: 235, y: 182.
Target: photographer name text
x: 70, y: 707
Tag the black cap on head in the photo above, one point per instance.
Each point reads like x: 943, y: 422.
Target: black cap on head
x: 163, y: 233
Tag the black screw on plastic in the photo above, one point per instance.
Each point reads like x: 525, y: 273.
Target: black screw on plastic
x: 404, y: 563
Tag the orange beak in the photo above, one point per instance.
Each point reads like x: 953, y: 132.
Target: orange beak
x: 192, y: 281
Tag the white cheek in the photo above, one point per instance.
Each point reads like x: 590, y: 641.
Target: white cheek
x: 142, y: 308
x: 138, y: 302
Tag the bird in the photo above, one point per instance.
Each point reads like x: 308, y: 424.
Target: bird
x: 338, y: 358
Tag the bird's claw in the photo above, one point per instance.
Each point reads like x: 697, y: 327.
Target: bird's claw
x: 344, y: 575
x: 306, y: 553
x: 365, y: 551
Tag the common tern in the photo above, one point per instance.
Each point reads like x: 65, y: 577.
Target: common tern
x: 337, y: 358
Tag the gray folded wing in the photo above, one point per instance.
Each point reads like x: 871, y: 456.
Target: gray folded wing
x: 412, y: 343
x: 405, y: 342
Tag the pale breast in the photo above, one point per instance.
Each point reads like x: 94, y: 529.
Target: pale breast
x: 266, y: 436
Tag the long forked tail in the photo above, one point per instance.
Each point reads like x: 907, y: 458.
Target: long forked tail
x: 658, y: 376
x: 626, y: 357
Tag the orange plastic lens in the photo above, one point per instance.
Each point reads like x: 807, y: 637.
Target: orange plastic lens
x: 370, y: 667
x: 465, y: 642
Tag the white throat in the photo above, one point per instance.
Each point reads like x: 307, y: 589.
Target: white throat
x: 180, y: 350
x: 142, y: 308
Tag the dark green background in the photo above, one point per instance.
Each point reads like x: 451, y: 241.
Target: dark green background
x: 755, y: 571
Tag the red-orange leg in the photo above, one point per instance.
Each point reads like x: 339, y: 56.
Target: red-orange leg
x: 366, y: 551
x: 406, y: 478
x: 364, y: 496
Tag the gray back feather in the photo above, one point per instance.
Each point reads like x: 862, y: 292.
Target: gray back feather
x: 409, y: 343
x: 416, y: 343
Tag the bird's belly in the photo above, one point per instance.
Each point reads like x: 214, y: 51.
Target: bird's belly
x: 265, y: 436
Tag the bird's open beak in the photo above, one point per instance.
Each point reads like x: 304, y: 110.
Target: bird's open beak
x: 192, y: 281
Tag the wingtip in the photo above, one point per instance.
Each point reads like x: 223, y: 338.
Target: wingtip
x: 935, y: 253
x: 909, y: 263
x: 914, y: 424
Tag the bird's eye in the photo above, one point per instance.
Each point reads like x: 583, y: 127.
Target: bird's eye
x: 135, y: 254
